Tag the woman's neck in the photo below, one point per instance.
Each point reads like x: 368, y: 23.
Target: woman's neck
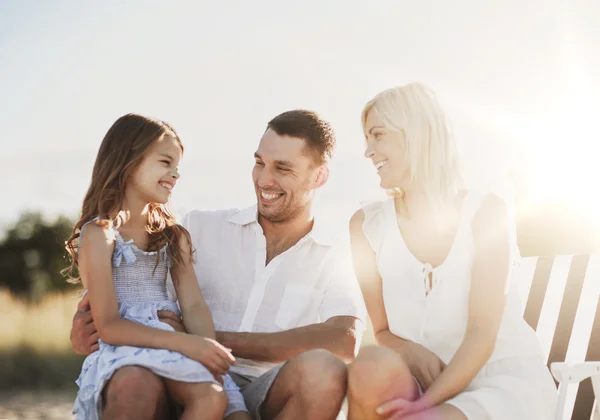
x: 415, y: 203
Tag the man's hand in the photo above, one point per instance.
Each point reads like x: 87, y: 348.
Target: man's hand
x: 171, y: 319
x: 424, y: 364
x: 84, y: 337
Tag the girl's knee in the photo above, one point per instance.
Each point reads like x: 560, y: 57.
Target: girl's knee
x: 135, y: 380
x: 135, y: 392
x: 206, y: 398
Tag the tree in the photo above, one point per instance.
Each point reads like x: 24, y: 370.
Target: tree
x: 32, y: 256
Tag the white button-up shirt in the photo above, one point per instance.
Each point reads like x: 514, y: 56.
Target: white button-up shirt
x: 309, y: 283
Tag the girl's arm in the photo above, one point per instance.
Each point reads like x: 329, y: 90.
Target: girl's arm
x: 95, y: 269
x: 491, y: 232
x: 196, y: 313
x: 424, y: 364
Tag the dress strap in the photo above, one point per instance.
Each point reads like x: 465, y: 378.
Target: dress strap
x: 470, y: 206
x: 80, y: 241
x: 374, y: 224
x: 123, y: 250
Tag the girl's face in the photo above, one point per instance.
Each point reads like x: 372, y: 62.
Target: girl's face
x: 386, y: 149
x: 156, y: 176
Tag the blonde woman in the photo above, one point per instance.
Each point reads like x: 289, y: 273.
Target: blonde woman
x: 433, y: 262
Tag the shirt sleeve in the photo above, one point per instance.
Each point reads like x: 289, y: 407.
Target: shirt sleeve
x: 342, y: 296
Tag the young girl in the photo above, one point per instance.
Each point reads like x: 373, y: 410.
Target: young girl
x: 434, y: 263
x: 123, y: 247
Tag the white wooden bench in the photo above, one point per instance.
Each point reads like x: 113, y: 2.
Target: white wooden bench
x: 563, y: 301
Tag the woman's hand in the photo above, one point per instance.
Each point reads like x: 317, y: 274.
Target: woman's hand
x: 423, y: 364
x: 212, y: 355
x: 398, y: 408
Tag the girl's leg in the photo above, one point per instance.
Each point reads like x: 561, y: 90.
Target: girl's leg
x: 377, y: 375
x: 135, y: 392
x: 205, y: 400
x: 239, y: 415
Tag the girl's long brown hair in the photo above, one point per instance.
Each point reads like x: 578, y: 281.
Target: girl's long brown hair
x: 124, y: 147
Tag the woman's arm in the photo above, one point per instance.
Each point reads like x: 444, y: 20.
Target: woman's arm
x: 196, y: 313
x: 491, y: 233
x: 424, y: 365
x: 96, y: 272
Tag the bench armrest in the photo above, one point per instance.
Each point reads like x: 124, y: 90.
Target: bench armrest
x: 570, y: 373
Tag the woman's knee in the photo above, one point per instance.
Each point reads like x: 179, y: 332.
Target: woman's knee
x: 377, y: 371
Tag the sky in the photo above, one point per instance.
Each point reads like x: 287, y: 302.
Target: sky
x: 520, y: 82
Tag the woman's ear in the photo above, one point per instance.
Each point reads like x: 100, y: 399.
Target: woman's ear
x: 322, y: 176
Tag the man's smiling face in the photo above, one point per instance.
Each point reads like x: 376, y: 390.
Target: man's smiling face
x: 284, y: 176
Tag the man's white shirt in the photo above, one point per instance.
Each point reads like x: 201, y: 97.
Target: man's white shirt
x: 307, y: 284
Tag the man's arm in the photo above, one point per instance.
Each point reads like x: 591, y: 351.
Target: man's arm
x: 340, y: 335
x: 84, y: 337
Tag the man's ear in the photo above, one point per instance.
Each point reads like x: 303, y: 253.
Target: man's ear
x: 322, y: 176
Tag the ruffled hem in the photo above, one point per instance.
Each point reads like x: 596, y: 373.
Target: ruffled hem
x: 99, y: 366
x: 89, y: 405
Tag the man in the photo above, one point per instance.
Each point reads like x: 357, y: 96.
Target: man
x: 283, y: 299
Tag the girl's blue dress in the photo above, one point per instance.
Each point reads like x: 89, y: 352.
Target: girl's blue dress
x: 140, y: 286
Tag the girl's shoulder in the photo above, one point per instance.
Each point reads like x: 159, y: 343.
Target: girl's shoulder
x: 97, y: 231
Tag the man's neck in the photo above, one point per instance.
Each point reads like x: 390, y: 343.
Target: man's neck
x: 280, y: 236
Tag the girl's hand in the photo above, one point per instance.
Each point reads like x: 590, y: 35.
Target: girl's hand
x: 398, y: 408
x: 213, y: 356
x: 423, y: 364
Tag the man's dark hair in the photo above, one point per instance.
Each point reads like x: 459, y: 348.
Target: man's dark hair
x: 307, y: 125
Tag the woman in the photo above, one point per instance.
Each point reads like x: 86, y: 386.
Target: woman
x: 433, y: 262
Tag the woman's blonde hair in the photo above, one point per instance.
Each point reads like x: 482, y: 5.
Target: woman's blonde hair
x: 431, y: 155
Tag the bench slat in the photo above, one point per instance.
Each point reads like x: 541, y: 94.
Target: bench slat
x: 537, y: 293
x: 584, y: 402
x: 568, y: 309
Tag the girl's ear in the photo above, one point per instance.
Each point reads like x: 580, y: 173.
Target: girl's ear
x: 322, y: 176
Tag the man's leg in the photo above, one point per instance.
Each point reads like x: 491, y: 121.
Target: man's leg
x: 134, y: 392
x: 311, y: 386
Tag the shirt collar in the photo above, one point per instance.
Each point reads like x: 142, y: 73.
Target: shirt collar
x: 245, y: 216
x: 319, y: 233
